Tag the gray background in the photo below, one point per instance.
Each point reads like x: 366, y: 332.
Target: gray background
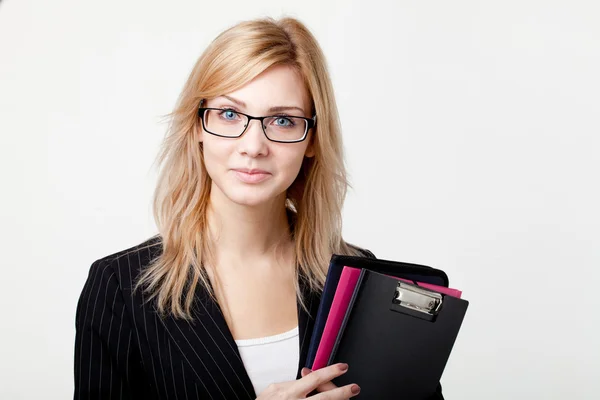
x: 472, y: 138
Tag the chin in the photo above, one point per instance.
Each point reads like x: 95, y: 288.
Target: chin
x: 250, y: 197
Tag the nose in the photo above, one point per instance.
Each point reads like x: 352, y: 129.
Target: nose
x: 253, y: 142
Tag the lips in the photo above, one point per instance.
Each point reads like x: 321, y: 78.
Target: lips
x: 251, y: 175
x: 251, y: 171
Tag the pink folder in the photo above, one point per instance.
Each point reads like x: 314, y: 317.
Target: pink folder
x: 341, y: 300
x: 339, y: 307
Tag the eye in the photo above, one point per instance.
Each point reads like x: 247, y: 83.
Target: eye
x: 283, y: 122
x: 228, y: 114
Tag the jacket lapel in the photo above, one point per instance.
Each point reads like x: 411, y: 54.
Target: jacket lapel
x: 210, y: 351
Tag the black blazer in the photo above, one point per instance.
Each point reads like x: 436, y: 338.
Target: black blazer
x: 123, y: 350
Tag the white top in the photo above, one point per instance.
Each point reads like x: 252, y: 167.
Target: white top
x: 270, y: 359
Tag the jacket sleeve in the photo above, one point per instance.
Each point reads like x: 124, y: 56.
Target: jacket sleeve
x: 103, y: 338
x: 438, y: 392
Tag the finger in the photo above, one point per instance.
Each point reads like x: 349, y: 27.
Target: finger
x: 341, y: 393
x: 321, y: 388
x: 316, y: 378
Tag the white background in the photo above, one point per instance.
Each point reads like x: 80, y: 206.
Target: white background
x: 472, y: 137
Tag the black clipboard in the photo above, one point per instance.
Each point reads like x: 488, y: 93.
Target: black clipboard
x: 396, y: 337
x: 410, y: 271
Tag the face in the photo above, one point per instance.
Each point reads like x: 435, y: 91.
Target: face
x: 272, y: 166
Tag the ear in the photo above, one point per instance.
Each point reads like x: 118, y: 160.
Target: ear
x: 199, y: 128
x: 310, y: 149
x: 199, y: 132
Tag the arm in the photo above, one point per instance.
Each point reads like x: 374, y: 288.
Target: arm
x: 103, y: 340
x: 438, y: 394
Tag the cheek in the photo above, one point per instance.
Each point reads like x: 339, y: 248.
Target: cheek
x: 291, y: 165
x: 215, y: 158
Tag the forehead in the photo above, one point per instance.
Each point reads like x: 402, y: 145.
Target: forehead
x: 280, y: 85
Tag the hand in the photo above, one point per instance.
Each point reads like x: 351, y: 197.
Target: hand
x: 322, y: 388
x: 316, y: 380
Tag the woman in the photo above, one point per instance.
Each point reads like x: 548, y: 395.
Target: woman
x: 220, y: 304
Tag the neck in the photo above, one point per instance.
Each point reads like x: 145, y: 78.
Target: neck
x: 244, y: 233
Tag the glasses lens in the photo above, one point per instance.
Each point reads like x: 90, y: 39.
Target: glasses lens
x: 285, y: 129
x: 225, y: 122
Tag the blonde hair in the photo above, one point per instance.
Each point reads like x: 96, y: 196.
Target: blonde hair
x: 314, y: 200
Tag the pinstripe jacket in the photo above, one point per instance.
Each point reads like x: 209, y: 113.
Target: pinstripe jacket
x: 123, y: 350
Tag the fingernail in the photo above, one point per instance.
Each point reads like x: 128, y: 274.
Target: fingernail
x: 355, y: 389
x: 305, y: 371
x: 343, y: 367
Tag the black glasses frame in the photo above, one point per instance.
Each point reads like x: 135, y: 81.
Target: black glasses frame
x: 310, y: 123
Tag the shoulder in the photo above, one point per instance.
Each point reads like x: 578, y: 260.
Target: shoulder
x: 368, y: 253
x: 363, y: 251
x: 141, y: 250
x: 125, y: 265
x: 111, y: 278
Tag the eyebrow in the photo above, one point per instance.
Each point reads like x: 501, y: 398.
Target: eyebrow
x: 272, y: 109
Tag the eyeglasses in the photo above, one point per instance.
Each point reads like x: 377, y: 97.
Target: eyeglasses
x: 229, y: 123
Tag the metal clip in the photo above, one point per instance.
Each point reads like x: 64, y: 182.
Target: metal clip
x: 418, y: 299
